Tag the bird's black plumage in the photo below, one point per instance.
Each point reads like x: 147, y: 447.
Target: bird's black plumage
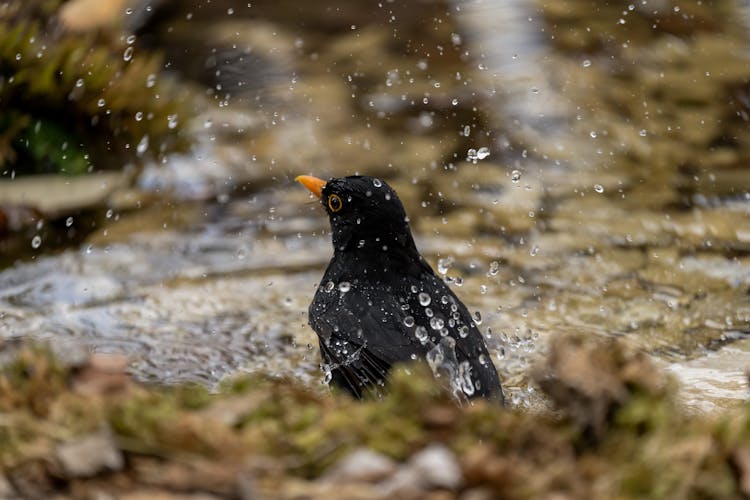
x: 380, y: 302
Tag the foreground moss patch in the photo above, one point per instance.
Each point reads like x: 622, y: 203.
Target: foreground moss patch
x: 617, y: 432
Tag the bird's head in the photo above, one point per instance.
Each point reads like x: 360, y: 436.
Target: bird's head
x: 365, y: 213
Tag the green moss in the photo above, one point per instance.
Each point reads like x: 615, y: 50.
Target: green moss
x: 192, y: 396
x: 647, y: 447
x: 73, y: 103
x: 32, y: 381
x: 51, y: 148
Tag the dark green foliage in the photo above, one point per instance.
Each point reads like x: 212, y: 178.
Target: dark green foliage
x: 48, y: 147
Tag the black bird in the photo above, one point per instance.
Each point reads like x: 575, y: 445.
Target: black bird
x: 380, y: 302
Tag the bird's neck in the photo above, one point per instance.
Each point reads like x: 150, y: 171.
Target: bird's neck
x: 383, y: 239
x: 375, y: 256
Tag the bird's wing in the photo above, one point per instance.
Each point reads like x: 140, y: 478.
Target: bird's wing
x: 361, y: 335
x: 437, y: 308
x: 369, y: 328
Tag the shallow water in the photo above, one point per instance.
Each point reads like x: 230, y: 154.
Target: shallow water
x: 615, y: 198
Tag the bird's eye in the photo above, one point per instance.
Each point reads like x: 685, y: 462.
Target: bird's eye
x: 335, y: 203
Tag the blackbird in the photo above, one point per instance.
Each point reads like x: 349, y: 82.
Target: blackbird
x: 380, y: 303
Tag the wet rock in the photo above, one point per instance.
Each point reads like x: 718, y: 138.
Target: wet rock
x: 438, y: 467
x: 89, y: 455
x: 361, y: 465
x: 55, y: 195
x: 434, y: 467
x: 405, y: 483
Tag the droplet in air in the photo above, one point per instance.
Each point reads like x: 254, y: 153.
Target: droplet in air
x: 377, y: 183
x: 534, y: 250
x: 128, y: 54
x: 515, y: 176
x: 477, y: 317
x: 409, y: 321
x: 142, y: 146
x: 101, y: 103
x: 464, y: 376
x: 139, y: 116
x: 330, y: 286
x: 483, y: 153
x: 494, y: 268
x: 36, y: 241
x: 172, y: 121
x: 424, y: 299
x: 345, y: 286
x: 598, y: 188
x: 443, y: 265
x: 69, y: 222
x: 586, y: 63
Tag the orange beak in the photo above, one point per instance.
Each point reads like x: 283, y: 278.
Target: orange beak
x: 314, y: 184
